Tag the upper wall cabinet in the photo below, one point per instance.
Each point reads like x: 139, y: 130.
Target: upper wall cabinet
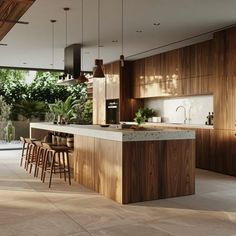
x: 184, y: 71
x: 112, y: 73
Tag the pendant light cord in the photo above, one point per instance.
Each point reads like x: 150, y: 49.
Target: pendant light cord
x: 98, y: 29
x: 82, y: 33
x: 122, y: 27
x: 53, y: 43
x: 66, y: 29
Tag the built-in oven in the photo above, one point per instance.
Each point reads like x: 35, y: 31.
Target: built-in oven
x: 112, y: 111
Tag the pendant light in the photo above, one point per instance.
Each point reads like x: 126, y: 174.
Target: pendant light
x: 53, y: 42
x: 122, y: 58
x: 98, y: 72
x: 82, y: 79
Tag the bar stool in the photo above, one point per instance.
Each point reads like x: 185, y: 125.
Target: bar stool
x: 38, y: 157
x: 56, y: 158
x: 30, y: 152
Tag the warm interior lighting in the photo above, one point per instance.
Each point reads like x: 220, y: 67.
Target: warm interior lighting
x: 98, y: 71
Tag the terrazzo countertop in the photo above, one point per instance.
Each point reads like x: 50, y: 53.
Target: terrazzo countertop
x: 122, y: 135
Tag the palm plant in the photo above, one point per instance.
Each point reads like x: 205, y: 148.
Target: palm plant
x: 66, y: 110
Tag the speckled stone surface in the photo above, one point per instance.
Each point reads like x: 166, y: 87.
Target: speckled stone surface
x: 118, y: 134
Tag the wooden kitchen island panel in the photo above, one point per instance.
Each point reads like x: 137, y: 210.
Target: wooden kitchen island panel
x: 130, y: 172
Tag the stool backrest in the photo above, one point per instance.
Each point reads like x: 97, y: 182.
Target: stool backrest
x: 37, y: 143
x: 22, y: 140
x: 47, y: 146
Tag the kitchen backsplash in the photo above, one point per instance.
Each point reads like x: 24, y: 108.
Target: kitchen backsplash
x: 166, y: 108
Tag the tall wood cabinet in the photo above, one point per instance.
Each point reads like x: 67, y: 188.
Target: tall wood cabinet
x: 117, y: 84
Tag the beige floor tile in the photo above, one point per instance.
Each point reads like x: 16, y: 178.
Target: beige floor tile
x: 29, y: 207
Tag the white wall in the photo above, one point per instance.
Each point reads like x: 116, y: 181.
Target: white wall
x: 166, y: 108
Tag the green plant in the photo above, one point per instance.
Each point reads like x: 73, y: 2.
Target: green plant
x: 9, y: 132
x: 30, y: 109
x: 143, y: 114
x: 5, y: 110
x: 87, y: 113
x: 67, y: 109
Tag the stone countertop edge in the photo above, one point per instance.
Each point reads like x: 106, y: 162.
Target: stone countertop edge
x: 116, y: 134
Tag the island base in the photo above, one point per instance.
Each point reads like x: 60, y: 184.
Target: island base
x: 129, y: 172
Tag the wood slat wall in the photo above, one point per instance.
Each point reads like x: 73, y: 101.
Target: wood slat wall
x: 12, y: 10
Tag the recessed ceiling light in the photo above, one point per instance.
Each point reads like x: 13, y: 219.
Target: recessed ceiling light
x: 115, y: 41
x: 139, y: 31
x: 156, y: 24
x: 3, y: 44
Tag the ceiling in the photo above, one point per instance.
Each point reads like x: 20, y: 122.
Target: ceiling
x: 31, y: 45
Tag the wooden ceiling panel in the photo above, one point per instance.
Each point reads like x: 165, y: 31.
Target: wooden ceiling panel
x: 12, y: 10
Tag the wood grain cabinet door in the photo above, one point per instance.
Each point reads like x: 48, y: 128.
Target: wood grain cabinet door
x: 223, y: 143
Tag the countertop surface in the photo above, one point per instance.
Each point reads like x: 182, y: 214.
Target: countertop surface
x: 123, y: 135
x: 179, y: 125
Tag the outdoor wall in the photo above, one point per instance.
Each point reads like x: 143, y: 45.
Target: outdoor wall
x: 21, y: 129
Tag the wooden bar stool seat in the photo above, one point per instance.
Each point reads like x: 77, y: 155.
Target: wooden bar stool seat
x: 56, y: 161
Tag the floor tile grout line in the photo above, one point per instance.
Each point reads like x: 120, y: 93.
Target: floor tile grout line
x: 71, y: 218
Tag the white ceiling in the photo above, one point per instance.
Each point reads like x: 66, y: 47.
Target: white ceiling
x: 180, y: 19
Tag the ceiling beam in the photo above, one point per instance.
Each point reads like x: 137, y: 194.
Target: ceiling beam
x: 10, y: 13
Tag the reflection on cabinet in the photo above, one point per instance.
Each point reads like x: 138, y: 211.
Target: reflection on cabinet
x: 180, y: 72
x: 225, y: 86
x: 112, y: 73
x: 223, y: 149
x: 99, y: 101
x: 216, y: 150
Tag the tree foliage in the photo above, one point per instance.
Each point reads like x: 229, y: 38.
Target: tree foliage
x: 31, y: 100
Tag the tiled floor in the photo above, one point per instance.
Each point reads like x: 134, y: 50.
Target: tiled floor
x: 28, y: 207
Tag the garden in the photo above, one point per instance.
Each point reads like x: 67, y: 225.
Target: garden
x: 42, y: 99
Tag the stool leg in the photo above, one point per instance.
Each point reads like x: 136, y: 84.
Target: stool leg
x: 45, y: 165
x: 59, y: 162
x: 22, y: 154
x: 64, y: 165
x: 45, y: 152
x: 68, y: 166
x: 52, y: 165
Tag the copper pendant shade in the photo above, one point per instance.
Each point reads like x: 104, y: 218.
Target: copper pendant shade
x: 98, y: 71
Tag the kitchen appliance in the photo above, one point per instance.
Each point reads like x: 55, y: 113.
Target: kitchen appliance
x: 112, y: 111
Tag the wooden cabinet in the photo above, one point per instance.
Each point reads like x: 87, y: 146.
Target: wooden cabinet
x: 99, y: 101
x: 112, y: 73
x: 223, y: 151
x: 181, y: 72
x: 225, y: 73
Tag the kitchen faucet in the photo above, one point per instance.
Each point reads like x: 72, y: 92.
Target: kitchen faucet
x: 185, y: 116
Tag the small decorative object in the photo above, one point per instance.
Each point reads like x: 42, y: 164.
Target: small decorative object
x: 70, y: 142
x: 9, y: 132
x: 143, y: 114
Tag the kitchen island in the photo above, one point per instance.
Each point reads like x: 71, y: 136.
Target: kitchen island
x: 129, y: 165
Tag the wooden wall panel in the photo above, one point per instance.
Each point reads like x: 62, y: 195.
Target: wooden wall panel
x: 158, y: 169
x: 225, y: 73
x: 112, y: 73
x: 108, y: 168
x: 99, y: 101
x: 84, y: 161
